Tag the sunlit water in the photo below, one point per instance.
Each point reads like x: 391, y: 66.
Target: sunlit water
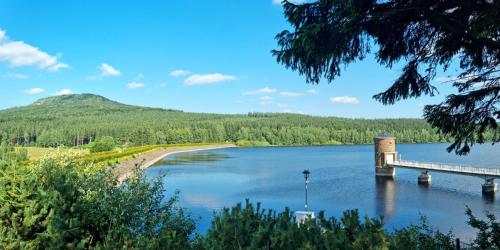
x: 342, y: 177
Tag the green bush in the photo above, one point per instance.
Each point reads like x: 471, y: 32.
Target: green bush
x: 250, y: 227
x: 245, y: 143
x: 104, y: 144
x: 55, y: 205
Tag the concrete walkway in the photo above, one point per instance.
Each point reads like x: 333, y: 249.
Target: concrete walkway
x: 124, y: 169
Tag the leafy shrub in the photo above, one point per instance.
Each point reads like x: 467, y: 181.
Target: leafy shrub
x: 245, y: 143
x: 488, y: 235
x: 250, y: 227
x: 53, y: 204
x: 104, y: 144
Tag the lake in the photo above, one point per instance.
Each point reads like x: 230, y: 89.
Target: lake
x: 342, y: 177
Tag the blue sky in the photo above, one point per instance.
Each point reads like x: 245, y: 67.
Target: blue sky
x: 193, y: 55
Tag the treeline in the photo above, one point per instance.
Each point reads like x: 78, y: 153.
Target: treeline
x: 81, y: 119
x: 59, y: 203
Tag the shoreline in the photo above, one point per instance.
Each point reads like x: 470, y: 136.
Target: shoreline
x: 124, y: 169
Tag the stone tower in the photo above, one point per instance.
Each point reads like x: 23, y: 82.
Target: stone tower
x: 385, y: 152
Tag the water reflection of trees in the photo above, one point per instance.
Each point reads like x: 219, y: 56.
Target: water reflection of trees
x: 188, y: 158
x: 385, y: 195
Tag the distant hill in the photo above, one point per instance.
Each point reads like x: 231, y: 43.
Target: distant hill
x: 76, y: 100
x: 78, y: 119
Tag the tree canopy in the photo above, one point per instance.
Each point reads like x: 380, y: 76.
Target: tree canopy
x: 428, y: 36
x: 76, y: 120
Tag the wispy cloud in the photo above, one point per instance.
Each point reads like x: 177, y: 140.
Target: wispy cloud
x: 108, y: 70
x: 180, y: 72
x: 284, y: 108
x: 197, y: 79
x: 312, y: 92
x: 265, y: 90
x: 19, y: 53
x: 265, y: 100
x: 344, y: 100
x: 291, y: 94
x: 105, y: 70
x: 34, y: 91
x: 135, y: 85
x: 64, y: 92
x: 15, y: 76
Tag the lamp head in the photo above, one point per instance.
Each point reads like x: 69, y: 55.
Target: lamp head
x: 306, y: 174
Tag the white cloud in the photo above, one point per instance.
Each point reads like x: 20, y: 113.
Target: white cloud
x: 15, y: 76
x: 64, y: 92
x: 312, y: 92
x: 34, y: 91
x: 290, y: 94
x: 58, y: 66
x: 135, y: 85
x: 197, y: 79
x: 265, y: 90
x: 265, y: 100
x: 108, y: 70
x: 344, y: 100
x: 179, y: 72
x: 19, y: 53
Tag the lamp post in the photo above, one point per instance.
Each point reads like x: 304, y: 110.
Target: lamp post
x: 306, y: 177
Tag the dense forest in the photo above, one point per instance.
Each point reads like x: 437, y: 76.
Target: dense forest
x: 74, y: 120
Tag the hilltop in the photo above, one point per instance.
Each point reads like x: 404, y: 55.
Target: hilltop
x: 78, y: 119
x: 90, y: 101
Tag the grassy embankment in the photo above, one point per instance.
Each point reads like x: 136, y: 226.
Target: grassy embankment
x: 108, y: 157
x: 37, y: 153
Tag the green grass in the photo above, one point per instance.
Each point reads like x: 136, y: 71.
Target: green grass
x: 120, y: 154
x: 108, y: 157
x: 37, y: 153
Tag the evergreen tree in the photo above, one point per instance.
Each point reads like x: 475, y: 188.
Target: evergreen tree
x: 426, y: 35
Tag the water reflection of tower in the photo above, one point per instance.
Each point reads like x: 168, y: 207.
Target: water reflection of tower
x: 385, y: 196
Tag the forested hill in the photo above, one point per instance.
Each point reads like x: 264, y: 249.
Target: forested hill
x: 74, y: 120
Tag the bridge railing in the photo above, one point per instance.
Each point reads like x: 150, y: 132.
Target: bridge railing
x: 446, y: 167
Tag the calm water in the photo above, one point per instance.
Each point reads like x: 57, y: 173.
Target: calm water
x: 342, y: 177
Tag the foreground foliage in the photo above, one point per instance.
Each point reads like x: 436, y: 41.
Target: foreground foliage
x: 250, y: 227
x: 58, y: 203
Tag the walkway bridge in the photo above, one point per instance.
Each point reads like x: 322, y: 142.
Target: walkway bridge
x: 386, y: 163
x: 485, y: 173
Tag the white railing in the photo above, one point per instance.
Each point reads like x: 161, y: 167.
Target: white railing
x: 447, y: 168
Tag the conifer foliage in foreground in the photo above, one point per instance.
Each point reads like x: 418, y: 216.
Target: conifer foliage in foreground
x: 58, y: 203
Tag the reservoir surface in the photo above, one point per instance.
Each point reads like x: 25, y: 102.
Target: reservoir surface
x: 342, y: 177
